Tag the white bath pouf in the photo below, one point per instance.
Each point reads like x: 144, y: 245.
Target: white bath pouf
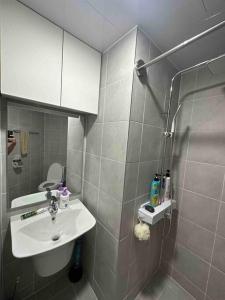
x: 142, y: 231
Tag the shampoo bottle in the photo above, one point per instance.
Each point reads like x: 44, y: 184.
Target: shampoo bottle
x: 155, y: 191
x: 167, y: 186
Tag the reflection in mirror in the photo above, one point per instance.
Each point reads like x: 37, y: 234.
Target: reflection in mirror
x: 44, y: 149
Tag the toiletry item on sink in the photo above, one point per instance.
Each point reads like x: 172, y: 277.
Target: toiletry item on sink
x: 166, y: 191
x: 59, y: 191
x: 64, y: 198
x: 33, y: 213
x: 155, y: 191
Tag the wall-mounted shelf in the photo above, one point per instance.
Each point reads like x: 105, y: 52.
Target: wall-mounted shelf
x: 158, y: 214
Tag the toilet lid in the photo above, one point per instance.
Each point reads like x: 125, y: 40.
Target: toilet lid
x: 55, y: 172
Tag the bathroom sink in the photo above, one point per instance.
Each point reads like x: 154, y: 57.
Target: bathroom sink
x: 30, y: 199
x: 50, y: 243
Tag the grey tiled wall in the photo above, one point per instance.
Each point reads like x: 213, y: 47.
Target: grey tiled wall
x: 147, y: 123
x: 194, y: 252
x: 122, y: 155
x: 104, y: 173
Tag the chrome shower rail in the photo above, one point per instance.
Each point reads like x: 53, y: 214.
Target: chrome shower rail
x: 180, y: 46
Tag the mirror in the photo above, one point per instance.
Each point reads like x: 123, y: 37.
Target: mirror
x: 44, y: 149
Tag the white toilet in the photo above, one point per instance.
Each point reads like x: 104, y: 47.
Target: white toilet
x: 54, y: 177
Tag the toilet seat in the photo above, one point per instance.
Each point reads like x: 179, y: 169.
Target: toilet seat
x: 48, y: 184
x: 54, y: 177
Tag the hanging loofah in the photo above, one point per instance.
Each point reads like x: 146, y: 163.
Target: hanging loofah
x: 142, y: 231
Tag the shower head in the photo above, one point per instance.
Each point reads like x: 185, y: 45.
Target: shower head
x: 170, y: 133
x: 217, y: 65
x: 172, y: 130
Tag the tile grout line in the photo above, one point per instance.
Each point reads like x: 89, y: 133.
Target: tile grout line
x: 142, y: 128
x: 197, y: 225
x: 194, y: 254
x: 202, y: 195
x: 139, y: 156
x: 210, y: 264
x: 205, y: 163
x: 161, y: 158
x: 181, y: 287
x: 172, y: 153
x: 214, y: 242
x: 134, y: 91
x: 132, y: 78
x: 116, y: 200
x: 138, y: 171
x: 120, y: 161
x: 185, y: 168
x: 99, y: 177
x: 120, y: 39
x: 100, y: 289
x: 84, y: 157
x: 189, y: 281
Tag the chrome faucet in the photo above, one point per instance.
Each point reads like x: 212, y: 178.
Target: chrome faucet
x: 53, y: 204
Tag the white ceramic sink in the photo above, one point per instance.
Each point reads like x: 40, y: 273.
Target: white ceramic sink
x: 50, y: 244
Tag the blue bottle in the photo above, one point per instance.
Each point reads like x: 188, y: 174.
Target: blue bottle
x: 155, y: 191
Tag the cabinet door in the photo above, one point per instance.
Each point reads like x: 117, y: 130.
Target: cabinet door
x: 31, y: 54
x: 80, y: 75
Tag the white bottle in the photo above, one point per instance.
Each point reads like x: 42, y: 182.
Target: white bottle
x: 167, y: 186
x: 64, y: 199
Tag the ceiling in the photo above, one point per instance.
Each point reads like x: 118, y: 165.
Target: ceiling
x: 101, y: 22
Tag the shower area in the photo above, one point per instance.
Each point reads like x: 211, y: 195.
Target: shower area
x: 150, y: 120
x: 192, y: 262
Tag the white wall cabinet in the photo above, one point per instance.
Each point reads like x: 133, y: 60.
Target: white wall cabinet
x: 40, y: 62
x: 80, y: 75
x: 31, y: 54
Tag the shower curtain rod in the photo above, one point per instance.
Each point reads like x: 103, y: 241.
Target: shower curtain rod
x: 180, y: 46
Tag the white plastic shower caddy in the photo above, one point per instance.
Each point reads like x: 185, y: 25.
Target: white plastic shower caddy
x: 160, y: 212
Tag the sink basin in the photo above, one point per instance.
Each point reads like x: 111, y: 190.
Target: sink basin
x: 30, y: 199
x: 50, y: 244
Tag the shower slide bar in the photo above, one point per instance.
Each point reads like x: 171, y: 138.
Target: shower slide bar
x: 178, y: 47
